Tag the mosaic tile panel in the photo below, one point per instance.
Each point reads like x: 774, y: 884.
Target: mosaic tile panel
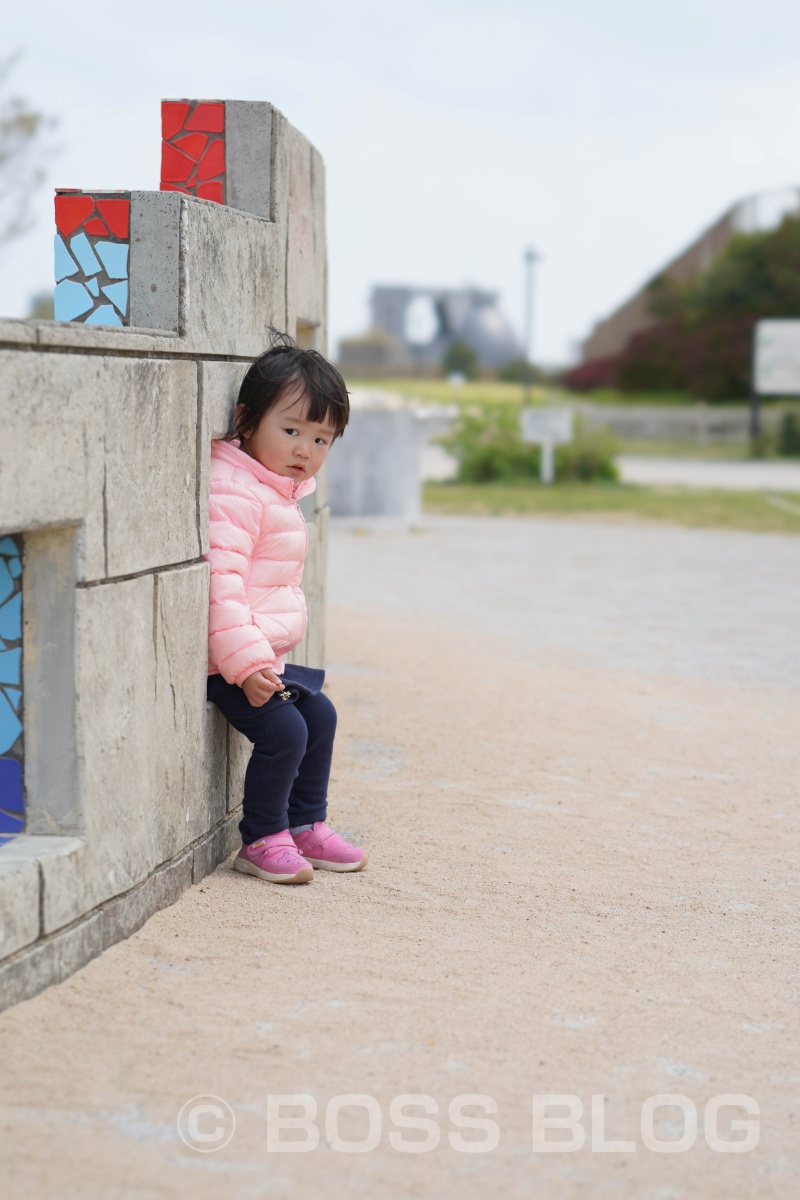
x: 193, y: 148
x: 12, y: 799
x: 91, y: 257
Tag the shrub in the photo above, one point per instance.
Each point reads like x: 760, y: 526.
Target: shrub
x: 460, y: 359
x: 487, y: 445
x: 789, y: 436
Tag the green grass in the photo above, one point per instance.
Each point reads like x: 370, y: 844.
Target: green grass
x: 753, y: 511
x: 718, y: 451
x: 439, y: 391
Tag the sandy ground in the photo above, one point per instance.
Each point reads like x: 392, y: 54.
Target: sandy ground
x: 572, y: 751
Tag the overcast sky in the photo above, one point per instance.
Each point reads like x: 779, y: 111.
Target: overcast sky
x: 455, y: 133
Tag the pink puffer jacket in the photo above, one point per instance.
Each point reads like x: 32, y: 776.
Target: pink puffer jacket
x: 257, y: 546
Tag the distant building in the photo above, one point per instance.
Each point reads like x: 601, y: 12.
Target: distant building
x: 764, y: 211
x: 415, y: 326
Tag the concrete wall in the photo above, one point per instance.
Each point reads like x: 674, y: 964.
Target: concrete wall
x: 133, y: 783
x: 700, y: 423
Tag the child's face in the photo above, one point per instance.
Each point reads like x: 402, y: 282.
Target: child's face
x: 286, y: 442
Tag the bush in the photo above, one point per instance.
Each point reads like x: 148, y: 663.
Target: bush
x: 789, y: 436
x: 589, y: 456
x: 488, y: 447
x: 460, y: 359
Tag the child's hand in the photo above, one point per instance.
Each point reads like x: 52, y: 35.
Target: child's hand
x: 260, y: 686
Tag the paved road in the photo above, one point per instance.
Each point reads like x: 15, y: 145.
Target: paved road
x: 572, y: 751
x: 757, y: 476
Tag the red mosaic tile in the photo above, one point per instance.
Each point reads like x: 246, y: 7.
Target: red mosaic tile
x: 192, y: 144
x: 175, y: 167
x: 173, y: 114
x: 211, y: 191
x: 72, y: 211
x: 208, y: 118
x: 95, y: 227
x: 173, y: 187
x: 213, y: 161
x: 116, y: 214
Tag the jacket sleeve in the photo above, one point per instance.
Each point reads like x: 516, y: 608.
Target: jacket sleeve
x: 236, y: 646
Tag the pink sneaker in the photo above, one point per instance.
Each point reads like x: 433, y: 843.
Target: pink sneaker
x: 274, y: 857
x: 323, y: 848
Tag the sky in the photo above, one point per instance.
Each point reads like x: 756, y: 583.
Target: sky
x: 455, y: 134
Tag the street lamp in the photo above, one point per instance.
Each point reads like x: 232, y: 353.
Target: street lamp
x: 530, y: 257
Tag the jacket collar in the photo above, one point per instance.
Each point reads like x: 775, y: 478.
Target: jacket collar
x: 232, y: 453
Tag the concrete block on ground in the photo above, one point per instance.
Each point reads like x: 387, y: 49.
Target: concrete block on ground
x: 305, y: 258
x: 215, y: 759
x: 216, y: 847
x: 374, y: 469
x: 55, y: 958
x: 155, y: 260
x: 183, y: 806
x: 150, y: 498
x: 19, y: 897
x: 116, y: 690
x: 239, y: 751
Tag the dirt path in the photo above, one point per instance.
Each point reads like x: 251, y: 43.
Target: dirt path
x: 580, y: 800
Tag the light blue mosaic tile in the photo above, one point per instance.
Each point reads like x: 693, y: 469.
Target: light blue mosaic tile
x: 8, y: 547
x: 93, y: 286
x: 70, y: 300
x: 104, y: 315
x: 6, y: 581
x: 114, y: 256
x: 118, y: 295
x: 9, y: 665
x: 10, y: 725
x: 82, y: 249
x: 15, y: 567
x: 11, y: 619
x: 14, y: 696
x: 65, y: 263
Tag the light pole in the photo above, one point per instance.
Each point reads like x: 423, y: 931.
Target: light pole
x: 530, y: 257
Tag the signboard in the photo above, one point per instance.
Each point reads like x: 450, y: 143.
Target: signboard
x: 776, y: 358
x: 548, y: 425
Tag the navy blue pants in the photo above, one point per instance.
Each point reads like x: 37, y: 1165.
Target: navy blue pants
x: 286, y: 782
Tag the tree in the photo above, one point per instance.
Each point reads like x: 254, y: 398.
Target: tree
x: 460, y: 359
x: 20, y: 154
x: 703, y: 341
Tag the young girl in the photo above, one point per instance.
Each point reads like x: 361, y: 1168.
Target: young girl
x: 292, y: 405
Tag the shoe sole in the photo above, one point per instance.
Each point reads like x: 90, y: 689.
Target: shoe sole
x: 304, y: 875
x: 323, y: 865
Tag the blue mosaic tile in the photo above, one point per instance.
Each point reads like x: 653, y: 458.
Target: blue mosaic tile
x: 114, y: 256
x: 6, y: 581
x: 10, y: 725
x: 93, y: 286
x: 11, y: 619
x: 65, y: 263
x: 70, y: 299
x: 10, y: 824
x: 12, y: 799
x: 104, y: 315
x: 15, y: 567
x: 118, y: 295
x: 14, y: 695
x: 10, y: 661
x: 9, y: 547
x: 81, y: 247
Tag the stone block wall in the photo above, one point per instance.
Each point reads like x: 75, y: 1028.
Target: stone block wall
x: 132, y: 781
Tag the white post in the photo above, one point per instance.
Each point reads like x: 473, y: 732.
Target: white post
x: 547, y: 471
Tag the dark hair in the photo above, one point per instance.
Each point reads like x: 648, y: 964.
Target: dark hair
x: 274, y: 373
